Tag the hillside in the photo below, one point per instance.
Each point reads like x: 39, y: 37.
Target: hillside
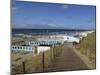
x: 87, y: 47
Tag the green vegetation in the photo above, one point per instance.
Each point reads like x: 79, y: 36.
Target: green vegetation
x: 87, y: 47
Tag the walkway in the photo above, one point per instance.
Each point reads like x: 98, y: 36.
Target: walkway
x: 67, y: 60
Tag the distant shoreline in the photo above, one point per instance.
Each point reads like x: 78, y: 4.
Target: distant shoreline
x: 53, y: 29
x: 47, y: 31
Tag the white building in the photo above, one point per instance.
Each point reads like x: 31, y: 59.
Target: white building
x: 67, y: 38
x: 23, y: 48
x: 73, y: 39
x: 33, y: 50
x: 42, y: 49
x: 60, y: 39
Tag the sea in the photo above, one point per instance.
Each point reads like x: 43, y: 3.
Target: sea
x: 45, y: 31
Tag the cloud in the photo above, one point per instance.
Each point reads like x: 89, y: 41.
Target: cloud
x: 65, y: 6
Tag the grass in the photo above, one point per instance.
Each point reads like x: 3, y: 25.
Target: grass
x: 33, y: 63
x: 87, y: 46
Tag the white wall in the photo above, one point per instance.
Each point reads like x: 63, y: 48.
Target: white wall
x: 42, y: 48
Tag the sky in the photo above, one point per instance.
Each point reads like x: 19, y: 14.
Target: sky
x: 30, y: 14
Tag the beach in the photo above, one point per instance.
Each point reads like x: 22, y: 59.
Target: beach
x: 47, y: 50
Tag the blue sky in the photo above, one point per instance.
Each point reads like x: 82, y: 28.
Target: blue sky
x: 30, y: 14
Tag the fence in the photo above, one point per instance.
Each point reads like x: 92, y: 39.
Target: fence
x: 38, y: 63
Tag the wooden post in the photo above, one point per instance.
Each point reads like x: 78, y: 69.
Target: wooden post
x: 55, y: 51
x: 36, y: 50
x: 43, y: 65
x: 23, y: 66
x: 61, y: 48
x: 51, y: 54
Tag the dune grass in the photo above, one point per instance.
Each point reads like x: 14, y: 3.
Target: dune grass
x: 33, y: 63
x: 87, y: 46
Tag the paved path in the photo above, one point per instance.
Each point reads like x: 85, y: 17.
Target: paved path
x: 68, y: 60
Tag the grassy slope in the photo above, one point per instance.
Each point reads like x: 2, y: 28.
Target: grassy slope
x: 88, y: 47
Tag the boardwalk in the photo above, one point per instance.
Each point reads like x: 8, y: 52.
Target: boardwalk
x: 67, y: 60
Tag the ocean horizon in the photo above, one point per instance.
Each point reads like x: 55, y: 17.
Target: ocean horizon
x: 46, y: 31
